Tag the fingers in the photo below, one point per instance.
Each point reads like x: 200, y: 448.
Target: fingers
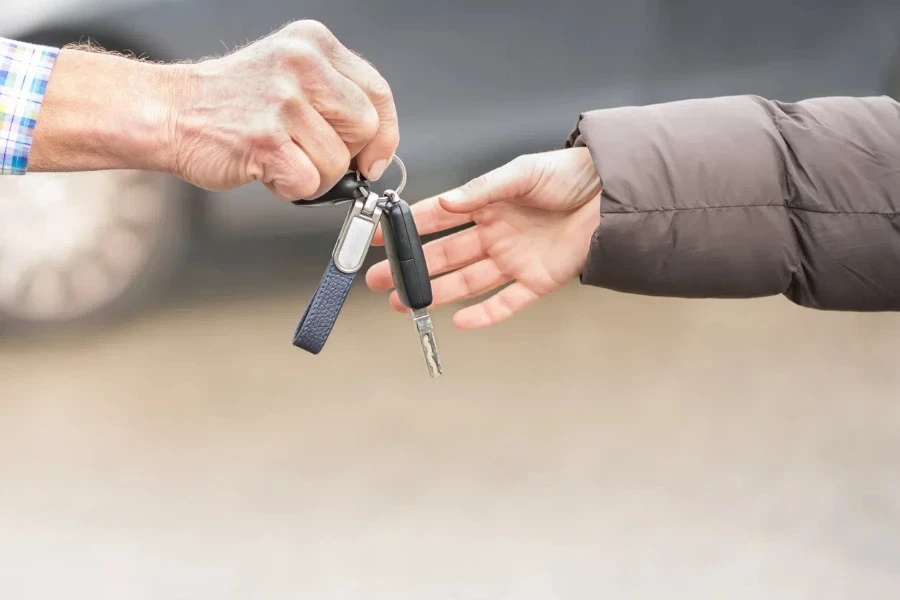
x: 379, y: 278
x: 346, y: 107
x: 323, y: 147
x: 443, y: 255
x: 514, y: 179
x: 296, y: 176
x: 336, y: 104
x: 454, y: 251
x: 375, y: 157
x: 430, y: 217
x: 378, y: 238
x: 468, y: 282
x: 499, y: 307
x: 372, y: 134
x: 473, y: 281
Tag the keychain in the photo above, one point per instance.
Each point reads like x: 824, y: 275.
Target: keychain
x: 404, y: 251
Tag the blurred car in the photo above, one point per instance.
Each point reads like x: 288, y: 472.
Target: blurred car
x: 477, y: 82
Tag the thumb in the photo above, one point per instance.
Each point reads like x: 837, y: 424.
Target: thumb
x: 513, y: 180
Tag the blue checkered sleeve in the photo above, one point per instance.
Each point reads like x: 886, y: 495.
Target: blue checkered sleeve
x: 24, y: 73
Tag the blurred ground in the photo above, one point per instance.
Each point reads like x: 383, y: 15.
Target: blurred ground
x: 601, y: 445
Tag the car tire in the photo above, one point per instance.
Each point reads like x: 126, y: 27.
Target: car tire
x: 80, y: 248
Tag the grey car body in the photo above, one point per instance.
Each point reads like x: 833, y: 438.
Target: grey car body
x: 478, y: 82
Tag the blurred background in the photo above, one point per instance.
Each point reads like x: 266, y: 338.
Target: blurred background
x: 161, y: 438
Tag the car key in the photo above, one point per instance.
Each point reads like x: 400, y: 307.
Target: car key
x: 410, y: 273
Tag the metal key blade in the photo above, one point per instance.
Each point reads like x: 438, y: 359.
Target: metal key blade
x: 422, y: 321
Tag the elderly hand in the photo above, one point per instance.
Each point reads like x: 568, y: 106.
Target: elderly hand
x: 291, y: 110
x: 533, y: 221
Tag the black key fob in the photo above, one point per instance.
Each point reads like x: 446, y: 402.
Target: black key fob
x: 405, y: 254
x: 351, y: 186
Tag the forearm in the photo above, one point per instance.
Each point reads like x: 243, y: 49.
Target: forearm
x: 103, y: 111
x: 743, y: 197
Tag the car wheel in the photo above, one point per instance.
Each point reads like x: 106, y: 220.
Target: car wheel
x: 77, y: 247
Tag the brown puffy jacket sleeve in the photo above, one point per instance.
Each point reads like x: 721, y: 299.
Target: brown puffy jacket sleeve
x: 742, y: 197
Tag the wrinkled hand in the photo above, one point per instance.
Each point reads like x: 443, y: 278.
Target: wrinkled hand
x: 534, y: 219
x: 291, y: 110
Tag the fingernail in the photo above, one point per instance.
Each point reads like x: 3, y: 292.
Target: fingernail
x: 453, y: 196
x: 377, y: 170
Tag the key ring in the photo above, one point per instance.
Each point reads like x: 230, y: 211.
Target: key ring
x: 396, y: 159
x: 393, y: 196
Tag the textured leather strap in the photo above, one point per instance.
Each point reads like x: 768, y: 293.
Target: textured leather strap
x: 323, y: 309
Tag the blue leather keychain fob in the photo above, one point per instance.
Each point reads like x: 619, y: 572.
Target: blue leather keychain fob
x: 346, y: 260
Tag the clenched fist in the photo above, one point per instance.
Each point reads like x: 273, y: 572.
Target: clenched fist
x: 292, y: 110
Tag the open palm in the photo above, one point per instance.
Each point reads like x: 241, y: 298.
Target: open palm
x: 533, y: 220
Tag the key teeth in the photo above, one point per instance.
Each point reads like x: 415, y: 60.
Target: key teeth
x: 425, y: 331
x: 432, y: 358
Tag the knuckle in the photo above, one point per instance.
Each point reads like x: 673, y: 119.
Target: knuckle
x: 315, y: 29
x: 335, y: 166
x: 380, y: 91
x: 291, y: 105
x: 367, y: 125
x: 289, y: 30
x: 498, y: 309
x: 267, y: 141
x: 342, y: 163
x: 283, y: 91
x: 295, y: 181
x: 305, y: 179
x: 320, y: 104
x: 440, y: 258
x: 479, y: 183
x: 293, y: 28
x: 318, y: 33
x: 467, y: 282
x: 299, y: 55
x: 306, y: 28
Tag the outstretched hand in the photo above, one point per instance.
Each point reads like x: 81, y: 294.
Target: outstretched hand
x: 533, y: 221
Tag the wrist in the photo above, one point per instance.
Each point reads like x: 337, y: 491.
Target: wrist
x: 589, y: 188
x: 147, y: 136
x: 175, y: 85
x: 187, y: 118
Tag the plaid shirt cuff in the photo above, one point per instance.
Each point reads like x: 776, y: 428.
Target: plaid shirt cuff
x: 24, y: 73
